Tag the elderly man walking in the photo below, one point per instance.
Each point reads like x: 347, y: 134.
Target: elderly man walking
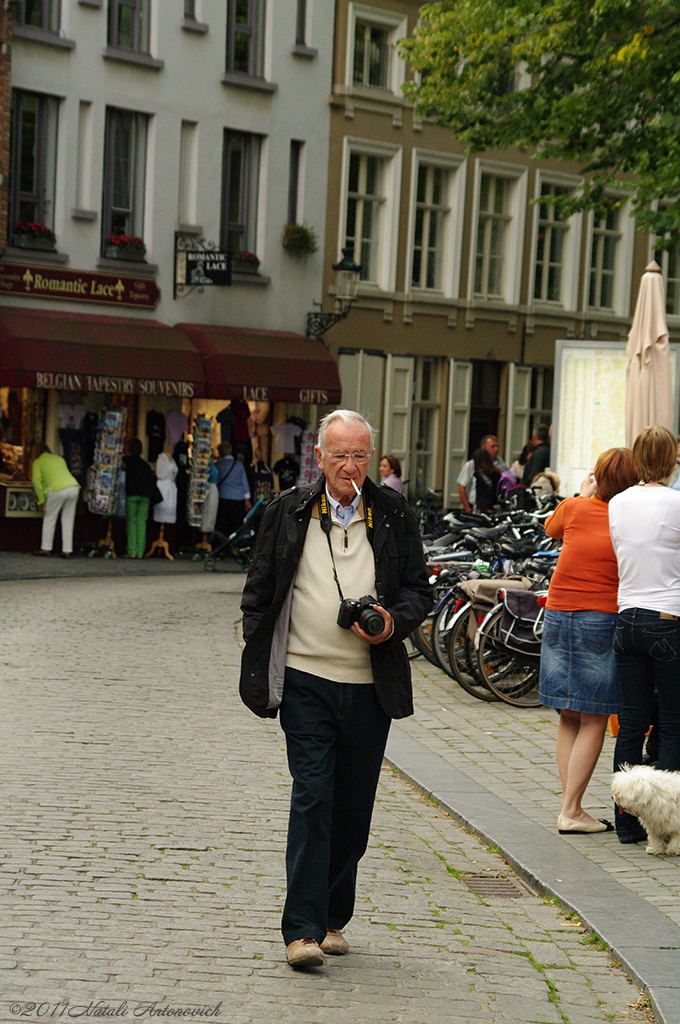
x: 334, y: 664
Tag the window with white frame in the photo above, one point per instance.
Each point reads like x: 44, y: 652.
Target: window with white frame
x: 240, y: 188
x: 494, y: 217
x: 431, y: 221
x: 365, y: 202
x: 610, y: 266
x: 369, y: 210
x: 551, y: 247
x: 42, y: 14
x: 33, y: 158
x: 557, y: 243
x: 436, y: 224
x: 129, y: 24
x: 497, y: 254
x: 372, y: 53
x: 669, y: 261
x: 603, y: 258
x: 245, y: 28
x: 424, y: 424
x: 373, y: 62
x: 124, y: 173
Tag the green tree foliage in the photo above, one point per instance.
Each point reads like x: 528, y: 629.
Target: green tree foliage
x: 604, y: 91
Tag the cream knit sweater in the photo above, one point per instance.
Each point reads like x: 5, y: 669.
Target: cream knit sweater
x: 316, y: 644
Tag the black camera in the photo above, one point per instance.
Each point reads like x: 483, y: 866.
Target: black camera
x: 361, y: 611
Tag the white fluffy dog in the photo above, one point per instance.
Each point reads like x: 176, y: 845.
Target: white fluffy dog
x: 653, y: 797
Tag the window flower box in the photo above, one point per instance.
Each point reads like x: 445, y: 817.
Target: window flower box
x: 243, y: 262
x: 31, y: 235
x: 125, y: 247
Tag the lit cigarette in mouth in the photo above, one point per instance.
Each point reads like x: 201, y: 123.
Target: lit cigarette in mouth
x: 355, y: 487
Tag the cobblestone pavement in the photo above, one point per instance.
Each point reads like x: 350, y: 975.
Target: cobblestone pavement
x: 146, y: 812
x: 513, y: 751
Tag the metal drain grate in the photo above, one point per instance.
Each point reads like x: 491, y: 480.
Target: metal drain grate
x: 495, y: 885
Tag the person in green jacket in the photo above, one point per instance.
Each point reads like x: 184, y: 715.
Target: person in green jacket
x: 57, y: 493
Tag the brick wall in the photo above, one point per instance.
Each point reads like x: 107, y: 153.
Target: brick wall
x: 5, y: 103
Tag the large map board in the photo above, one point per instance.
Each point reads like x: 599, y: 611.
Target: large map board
x: 589, y: 405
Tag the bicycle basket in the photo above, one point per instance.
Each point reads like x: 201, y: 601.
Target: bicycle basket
x: 521, y: 622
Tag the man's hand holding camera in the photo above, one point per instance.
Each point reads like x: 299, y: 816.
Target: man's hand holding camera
x: 366, y: 618
x: 386, y: 633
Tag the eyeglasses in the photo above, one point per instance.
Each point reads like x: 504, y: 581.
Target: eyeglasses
x: 358, y: 458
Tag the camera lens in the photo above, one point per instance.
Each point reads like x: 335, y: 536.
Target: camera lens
x: 371, y: 621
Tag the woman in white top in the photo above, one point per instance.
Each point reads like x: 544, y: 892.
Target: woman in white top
x: 644, y: 522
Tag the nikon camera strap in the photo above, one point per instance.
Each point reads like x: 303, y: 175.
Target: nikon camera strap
x: 326, y: 524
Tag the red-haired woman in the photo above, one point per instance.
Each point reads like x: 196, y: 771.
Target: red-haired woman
x: 578, y: 668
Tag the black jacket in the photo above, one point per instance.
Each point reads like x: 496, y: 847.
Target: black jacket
x: 537, y: 462
x: 140, y: 479
x: 402, y: 588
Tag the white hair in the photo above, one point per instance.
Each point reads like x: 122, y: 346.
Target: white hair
x: 348, y: 418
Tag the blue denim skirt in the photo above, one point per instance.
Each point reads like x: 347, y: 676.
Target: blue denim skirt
x: 578, y: 666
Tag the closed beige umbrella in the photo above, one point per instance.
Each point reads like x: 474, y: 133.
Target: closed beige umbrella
x: 649, y: 391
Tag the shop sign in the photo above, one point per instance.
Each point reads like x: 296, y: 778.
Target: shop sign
x: 114, y: 385
x: 313, y: 396
x: 208, y: 268
x: 78, y: 286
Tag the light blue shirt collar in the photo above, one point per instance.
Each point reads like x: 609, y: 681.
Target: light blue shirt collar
x: 344, y: 513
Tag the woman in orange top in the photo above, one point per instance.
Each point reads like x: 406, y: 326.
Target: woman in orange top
x: 578, y: 668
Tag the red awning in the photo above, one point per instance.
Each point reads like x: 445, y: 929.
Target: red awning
x: 266, y: 366
x: 86, y: 352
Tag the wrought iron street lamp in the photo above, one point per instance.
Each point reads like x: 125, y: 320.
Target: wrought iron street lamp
x: 346, y: 283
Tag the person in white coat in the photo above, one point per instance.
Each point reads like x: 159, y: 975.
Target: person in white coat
x: 165, y: 511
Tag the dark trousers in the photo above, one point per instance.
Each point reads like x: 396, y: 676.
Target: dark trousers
x: 647, y: 650
x: 335, y: 738
x: 230, y: 515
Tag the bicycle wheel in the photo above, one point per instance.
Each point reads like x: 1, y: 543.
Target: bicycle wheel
x: 461, y: 652
x: 512, y: 677
x: 411, y: 649
x: 421, y: 638
x: 441, y: 629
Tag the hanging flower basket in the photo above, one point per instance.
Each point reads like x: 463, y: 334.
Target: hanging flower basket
x: 243, y: 262
x: 299, y: 241
x: 125, y: 247
x: 31, y: 235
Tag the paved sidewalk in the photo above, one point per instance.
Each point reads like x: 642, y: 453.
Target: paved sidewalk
x: 147, y: 811
x: 16, y: 566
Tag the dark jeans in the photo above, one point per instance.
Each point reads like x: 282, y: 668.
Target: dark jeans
x: 335, y: 738
x: 647, y: 649
x: 230, y: 515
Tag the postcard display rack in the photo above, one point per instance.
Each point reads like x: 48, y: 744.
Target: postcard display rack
x: 200, y: 462
x: 108, y: 461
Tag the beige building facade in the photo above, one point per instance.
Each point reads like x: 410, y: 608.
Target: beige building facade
x: 466, y: 283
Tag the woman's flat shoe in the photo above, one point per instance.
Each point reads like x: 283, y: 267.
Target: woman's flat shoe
x: 569, y: 826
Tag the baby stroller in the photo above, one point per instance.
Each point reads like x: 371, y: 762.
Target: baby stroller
x: 238, y: 544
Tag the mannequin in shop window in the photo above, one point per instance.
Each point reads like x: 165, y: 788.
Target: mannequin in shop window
x: 165, y: 512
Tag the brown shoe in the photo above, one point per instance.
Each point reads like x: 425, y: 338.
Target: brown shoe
x: 335, y: 943
x: 304, y: 953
